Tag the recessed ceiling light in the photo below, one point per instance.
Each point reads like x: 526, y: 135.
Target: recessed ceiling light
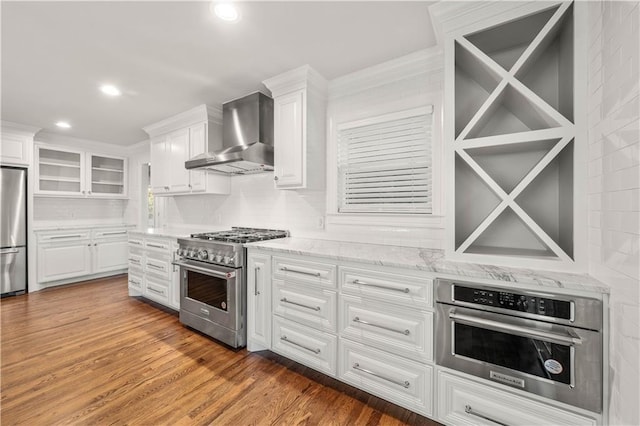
x: 225, y: 11
x: 63, y: 124
x: 110, y: 90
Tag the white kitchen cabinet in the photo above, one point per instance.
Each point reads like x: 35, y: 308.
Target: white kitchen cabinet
x: 68, y: 172
x: 66, y: 255
x: 299, y: 110
x: 150, y: 264
x: 16, y: 144
x: 258, y: 302
x: 178, y: 139
x: 466, y: 402
x: 63, y: 256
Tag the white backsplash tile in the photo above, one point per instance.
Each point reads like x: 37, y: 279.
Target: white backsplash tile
x: 77, y: 210
x: 614, y: 218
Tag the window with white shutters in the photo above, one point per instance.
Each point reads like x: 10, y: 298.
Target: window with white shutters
x: 384, y: 164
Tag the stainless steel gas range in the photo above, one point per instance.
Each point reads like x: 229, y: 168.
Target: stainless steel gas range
x: 213, y: 296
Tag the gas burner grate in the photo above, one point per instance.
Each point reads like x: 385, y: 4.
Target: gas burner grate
x: 242, y: 235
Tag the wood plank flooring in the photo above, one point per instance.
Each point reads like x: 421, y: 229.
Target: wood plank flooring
x: 88, y: 354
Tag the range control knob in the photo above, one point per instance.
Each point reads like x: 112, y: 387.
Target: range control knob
x: 218, y: 257
x: 179, y: 252
x: 227, y: 259
x: 203, y: 255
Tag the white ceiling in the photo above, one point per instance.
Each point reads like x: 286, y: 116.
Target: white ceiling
x: 168, y: 57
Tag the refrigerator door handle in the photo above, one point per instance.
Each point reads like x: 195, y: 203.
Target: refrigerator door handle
x: 8, y: 251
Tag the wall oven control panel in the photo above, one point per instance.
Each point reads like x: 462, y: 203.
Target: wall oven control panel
x: 514, y: 302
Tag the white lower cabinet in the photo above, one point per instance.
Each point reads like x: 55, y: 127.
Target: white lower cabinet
x: 258, y: 302
x: 151, y: 268
x: 373, y: 327
x: 394, y: 378
x: 465, y: 402
x: 313, y: 348
x: 68, y: 255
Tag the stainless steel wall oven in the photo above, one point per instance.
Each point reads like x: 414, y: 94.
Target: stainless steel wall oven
x: 547, y: 344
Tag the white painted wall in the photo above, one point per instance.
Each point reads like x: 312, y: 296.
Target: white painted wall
x: 614, y: 189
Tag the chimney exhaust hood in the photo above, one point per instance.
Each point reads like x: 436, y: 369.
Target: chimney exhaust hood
x: 247, y: 138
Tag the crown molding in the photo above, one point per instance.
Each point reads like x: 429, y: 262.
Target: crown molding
x: 421, y: 62
x: 46, y: 137
x: 303, y: 77
x: 199, y: 114
x: 26, y: 130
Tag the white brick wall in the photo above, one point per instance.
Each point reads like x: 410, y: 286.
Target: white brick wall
x: 614, y: 189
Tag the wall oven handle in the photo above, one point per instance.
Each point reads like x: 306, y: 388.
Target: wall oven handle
x: 313, y: 274
x: 386, y: 287
x: 395, y: 330
x: 469, y: 410
x: 285, y: 300
x: 205, y: 271
x: 404, y: 384
x: 516, y: 329
x: 285, y: 339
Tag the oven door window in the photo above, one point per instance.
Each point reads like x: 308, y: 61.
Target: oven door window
x: 212, y: 291
x: 536, y: 357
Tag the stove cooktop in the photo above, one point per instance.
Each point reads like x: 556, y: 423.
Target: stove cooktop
x: 242, y: 235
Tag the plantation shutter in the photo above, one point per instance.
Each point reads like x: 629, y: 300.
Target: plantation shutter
x: 384, y: 166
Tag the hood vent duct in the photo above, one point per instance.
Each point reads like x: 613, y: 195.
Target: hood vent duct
x: 247, y: 138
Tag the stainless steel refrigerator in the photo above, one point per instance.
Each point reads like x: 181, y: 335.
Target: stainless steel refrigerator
x: 13, y: 230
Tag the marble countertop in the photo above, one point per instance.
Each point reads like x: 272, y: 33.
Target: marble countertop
x: 430, y: 260
x: 174, y: 232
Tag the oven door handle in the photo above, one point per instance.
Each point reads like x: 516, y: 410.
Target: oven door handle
x: 205, y: 271
x: 515, y: 329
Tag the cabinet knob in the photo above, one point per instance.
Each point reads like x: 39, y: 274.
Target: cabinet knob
x: 89, y: 192
x: 83, y: 191
x: 190, y: 186
x: 275, y: 178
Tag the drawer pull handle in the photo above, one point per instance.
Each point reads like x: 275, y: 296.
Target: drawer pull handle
x: 156, y: 246
x: 255, y: 283
x: 155, y: 291
x: 395, y: 330
x: 132, y: 260
x: 59, y: 237
x: 386, y: 287
x: 159, y: 268
x: 136, y: 243
x: 285, y: 300
x: 285, y: 339
x: 115, y: 233
x: 134, y: 282
x: 404, y: 384
x: 313, y: 274
x: 469, y: 410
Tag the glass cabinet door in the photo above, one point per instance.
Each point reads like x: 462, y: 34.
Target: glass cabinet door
x: 107, y: 175
x: 59, y: 171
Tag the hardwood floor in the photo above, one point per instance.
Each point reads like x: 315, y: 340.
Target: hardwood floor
x: 90, y: 354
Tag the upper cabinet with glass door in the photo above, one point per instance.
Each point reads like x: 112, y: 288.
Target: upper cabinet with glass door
x: 71, y: 173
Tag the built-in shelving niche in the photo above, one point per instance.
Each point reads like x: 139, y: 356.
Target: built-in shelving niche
x: 514, y: 138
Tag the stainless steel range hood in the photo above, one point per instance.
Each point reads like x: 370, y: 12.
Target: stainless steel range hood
x: 247, y: 138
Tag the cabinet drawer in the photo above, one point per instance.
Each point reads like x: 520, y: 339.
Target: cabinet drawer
x: 64, y: 236
x: 405, y: 290
x: 157, y: 290
x: 405, y: 332
x: 119, y: 233
x: 401, y: 381
x: 157, y: 245
x: 310, y: 347
x: 135, y: 241
x: 158, y: 267
x: 135, y: 260
x: 464, y: 402
x: 304, y: 271
x: 315, y: 307
x: 135, y: 282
